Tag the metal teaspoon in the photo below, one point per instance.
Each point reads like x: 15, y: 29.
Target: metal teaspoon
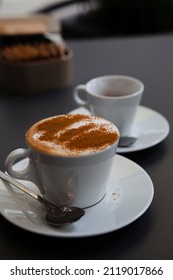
x: 55, y: 215
x: 126, y: 141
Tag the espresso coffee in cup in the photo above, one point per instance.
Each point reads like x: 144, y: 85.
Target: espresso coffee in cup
x: 70, y: 158
x: 113, y: 97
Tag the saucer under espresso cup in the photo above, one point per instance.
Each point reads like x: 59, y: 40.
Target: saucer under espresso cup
x: 113, y: 97
x: 149, y: 127
x: 71, y: 156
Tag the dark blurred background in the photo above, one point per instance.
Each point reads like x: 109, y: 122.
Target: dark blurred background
x: 116, y: 17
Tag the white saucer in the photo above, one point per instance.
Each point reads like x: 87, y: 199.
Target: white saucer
x: 150, y: 127
x: 129, y: 194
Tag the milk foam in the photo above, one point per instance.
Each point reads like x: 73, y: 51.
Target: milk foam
x: 74, y: 138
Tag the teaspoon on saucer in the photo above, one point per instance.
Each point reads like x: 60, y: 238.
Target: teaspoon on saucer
x: 55, y: 215
x: 126, y: 141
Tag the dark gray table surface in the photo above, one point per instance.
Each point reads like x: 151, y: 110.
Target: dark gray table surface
x: 151, y: 236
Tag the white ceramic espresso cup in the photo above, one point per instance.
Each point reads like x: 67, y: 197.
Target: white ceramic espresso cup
x: 75, y: 176
x: 113, y: 97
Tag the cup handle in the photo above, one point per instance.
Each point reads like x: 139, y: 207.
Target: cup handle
x: 78, y: 93
x: 28, y: 172
x: 13, y: 157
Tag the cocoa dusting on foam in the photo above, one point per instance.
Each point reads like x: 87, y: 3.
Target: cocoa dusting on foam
x: 71, y: 135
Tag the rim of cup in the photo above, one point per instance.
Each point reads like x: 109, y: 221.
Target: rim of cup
x: 125, y: 77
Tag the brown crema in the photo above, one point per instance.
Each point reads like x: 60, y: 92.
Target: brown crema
x: 74, y: 133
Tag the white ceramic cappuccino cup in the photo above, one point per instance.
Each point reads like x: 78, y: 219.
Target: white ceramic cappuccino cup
x: 113, y: 97
x: 73, y: 179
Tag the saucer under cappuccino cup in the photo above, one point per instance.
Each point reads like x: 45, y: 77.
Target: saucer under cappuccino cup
x: 70, y: 158
x: 113, y: 97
